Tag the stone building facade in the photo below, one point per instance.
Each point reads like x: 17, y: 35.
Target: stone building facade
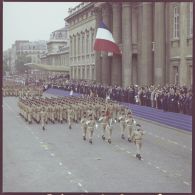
x: 57, y: 54
x: 81, y: 21
x: 155, y: 38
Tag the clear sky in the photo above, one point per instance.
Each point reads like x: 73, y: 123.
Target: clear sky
x: 32, y: 21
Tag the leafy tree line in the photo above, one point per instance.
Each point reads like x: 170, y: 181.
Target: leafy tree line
x: 20, y: 61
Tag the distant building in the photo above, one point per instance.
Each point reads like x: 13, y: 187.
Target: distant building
x: 81, y: 21
x: 57, y: 56
x: 27, y: 48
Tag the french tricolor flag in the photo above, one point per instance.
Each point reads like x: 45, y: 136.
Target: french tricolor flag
x: 104, y: 40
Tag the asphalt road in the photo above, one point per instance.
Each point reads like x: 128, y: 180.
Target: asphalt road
x: 58, y: 160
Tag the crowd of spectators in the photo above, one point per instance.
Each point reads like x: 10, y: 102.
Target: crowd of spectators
x: 169, y: 98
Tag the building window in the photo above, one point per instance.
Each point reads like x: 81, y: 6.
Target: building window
x: 191, y: 19
x: 176, y: 22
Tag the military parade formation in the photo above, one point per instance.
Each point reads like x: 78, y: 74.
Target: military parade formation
x: 90, y: 112
x: 97, y: 107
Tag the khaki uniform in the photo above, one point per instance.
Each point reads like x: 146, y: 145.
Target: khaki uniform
x: 70, y: 117
x: 60, y: 113
x: 129, y: 127
x: 30, y: 114
x: 137, y: 136
x: 103, y: 121
x: 84, y: 126
x: 122, y: 125
x: 109, y: 128
x: 43, y: 115
x: 90, y: 128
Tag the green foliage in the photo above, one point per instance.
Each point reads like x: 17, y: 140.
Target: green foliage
x: 21, y: 60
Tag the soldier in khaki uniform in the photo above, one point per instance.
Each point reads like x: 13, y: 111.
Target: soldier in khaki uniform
x: 60, y: 113
x: 137, y: 136
x: 103, y: 119
x: 109, y: 128
x: 90, y: 127
x: 70, y: 117
x: 43, y: 117
x: 84, y: 125
x: 65, y: 114
x: 53, y: 113
x: 30, y: 114
x: 129, y: 125
x: 122, y: 123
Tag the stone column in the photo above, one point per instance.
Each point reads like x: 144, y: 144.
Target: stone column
x: 72, y: 73
x: 116, y: 75
x: 77, y: 51
x: 183, y: 67
x: 159, y: 43
x: 98, y: 64
x: 86, y: 76
x: 127, y: 44
x: 145, y: 54
x: 105, y: 58
x: 90, y: 72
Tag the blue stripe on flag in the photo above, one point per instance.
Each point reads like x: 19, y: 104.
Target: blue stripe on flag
x: 102, y: 25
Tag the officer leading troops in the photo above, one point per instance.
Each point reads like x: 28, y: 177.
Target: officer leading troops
x: 122, y: 123
x: 103, y: 119
x: 109, y: 128
x: 137, y: 136
x: 84, y: 125
x: 43, y: 117
x: 129, y: 125
x: 90, y: 127
x: 70, y: 117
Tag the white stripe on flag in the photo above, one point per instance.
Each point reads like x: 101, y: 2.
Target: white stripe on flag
x: 105, y: 34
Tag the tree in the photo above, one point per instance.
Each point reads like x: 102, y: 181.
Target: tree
x: 20, y: 61
x: 6, y: 67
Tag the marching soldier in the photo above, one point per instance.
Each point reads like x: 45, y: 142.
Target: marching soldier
x: 109, y: 128
x: 90, y: 127
x: 30, y: 114
x: 129, y: 125
x: 70, y: 116
x: 43, y: 117
x: 122, y: 123
x: 137, y: 139
x: 84, y: 125
x: 103, y: 119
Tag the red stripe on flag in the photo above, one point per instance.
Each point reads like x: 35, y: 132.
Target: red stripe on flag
x: 105, y: 45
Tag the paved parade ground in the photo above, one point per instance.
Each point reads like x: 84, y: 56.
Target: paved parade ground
x: 58, y: 160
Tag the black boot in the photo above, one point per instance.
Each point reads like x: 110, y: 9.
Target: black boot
x: 109, y: 141
x: 103, y: 137
x: 43, y: 128
x: 90, y: 141
x: 138, y: 156
x: 84, y: 138
x: 129, y: 140
x: 70, y: 127
x: 122, y: 136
